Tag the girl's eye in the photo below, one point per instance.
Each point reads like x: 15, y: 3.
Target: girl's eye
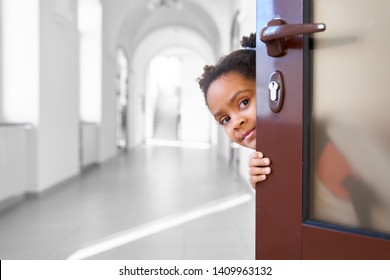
x: 224, y: 121
x: 244, y: 103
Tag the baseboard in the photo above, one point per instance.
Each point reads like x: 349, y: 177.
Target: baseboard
x: 11, y: 202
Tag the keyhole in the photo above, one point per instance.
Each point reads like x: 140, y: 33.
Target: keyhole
x: 276, y: 91
x: 273, y: 87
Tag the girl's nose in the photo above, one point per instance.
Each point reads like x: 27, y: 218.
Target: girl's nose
x: 239, y: 122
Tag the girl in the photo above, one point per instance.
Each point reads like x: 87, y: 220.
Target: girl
x: 229, y: 90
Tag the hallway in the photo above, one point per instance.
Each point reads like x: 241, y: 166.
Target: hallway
x: 152, y: 202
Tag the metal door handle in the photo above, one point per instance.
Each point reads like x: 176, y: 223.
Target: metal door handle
x: 277, y: 32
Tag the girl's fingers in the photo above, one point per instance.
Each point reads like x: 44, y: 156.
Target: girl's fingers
x: 258, y: 168
x: 256, y: 155
x: 259, y: 171
x: 259, y: 162
x: 255, y: 179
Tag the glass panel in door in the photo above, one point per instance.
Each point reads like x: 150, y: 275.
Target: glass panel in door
x: 350, y: 126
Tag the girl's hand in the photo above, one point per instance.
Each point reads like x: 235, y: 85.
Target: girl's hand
x: 258, y: 168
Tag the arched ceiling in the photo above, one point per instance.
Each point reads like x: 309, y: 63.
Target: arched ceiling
x: 141, y: 23
x: 174, y: 38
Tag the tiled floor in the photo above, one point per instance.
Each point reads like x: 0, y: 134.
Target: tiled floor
x: 133, y: 195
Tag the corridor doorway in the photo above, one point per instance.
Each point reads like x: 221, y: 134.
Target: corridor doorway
x: 166, y: 94
x: 175, y: 109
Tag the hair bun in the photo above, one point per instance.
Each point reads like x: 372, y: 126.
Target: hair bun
x: 249, y: 41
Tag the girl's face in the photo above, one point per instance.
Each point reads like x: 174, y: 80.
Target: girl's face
x: 232, y: 101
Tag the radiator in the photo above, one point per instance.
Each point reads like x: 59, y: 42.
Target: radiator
x: 13, y: 160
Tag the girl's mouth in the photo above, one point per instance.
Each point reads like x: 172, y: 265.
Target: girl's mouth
x: 248, y: 134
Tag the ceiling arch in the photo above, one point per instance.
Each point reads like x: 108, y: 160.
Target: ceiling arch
x: 174, y: 37
x: 141, y: 23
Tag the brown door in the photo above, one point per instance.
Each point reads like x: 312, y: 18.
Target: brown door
x: 323, y: 119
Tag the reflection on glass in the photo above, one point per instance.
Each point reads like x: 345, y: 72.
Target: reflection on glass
x: 351, y: 119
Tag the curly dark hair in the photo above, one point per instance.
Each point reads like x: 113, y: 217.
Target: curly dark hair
x: 242, y: 61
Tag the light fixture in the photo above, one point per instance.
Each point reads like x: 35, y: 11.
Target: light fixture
x: 154, y: 5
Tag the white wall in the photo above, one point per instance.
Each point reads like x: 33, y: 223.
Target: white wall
x: 112, y: 14
x: 89, y: 144
x: 107, y: 147
x: 195, y: 117
x: 58, y: 130
x: 19, y: 50
x: 247, y: 16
